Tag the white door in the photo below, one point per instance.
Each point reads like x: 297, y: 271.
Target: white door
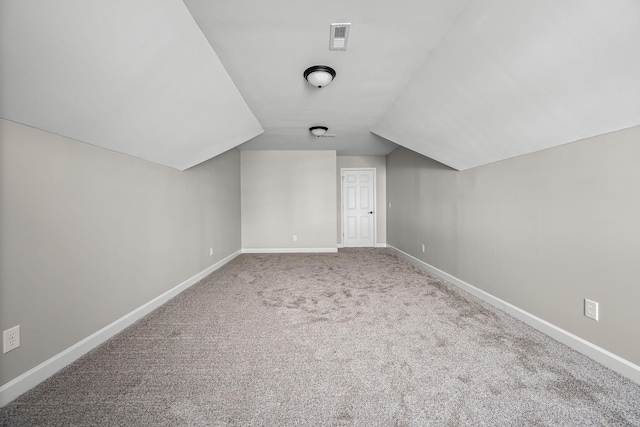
x: 358, y: 205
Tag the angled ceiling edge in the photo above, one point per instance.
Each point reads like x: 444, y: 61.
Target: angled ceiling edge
x: 513, y: 78
x: 138, y: 78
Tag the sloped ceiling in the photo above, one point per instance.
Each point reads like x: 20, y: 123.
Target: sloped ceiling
x: 136, y: 77
x: 514, y: 77
x: 465, y: 83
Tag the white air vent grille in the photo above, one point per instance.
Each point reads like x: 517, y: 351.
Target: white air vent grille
x: 339, y: 36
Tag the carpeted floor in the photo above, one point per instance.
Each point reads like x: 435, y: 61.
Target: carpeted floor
x: 355, y: 338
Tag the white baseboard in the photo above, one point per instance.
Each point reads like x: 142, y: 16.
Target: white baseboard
x: 377, y: 245
x: 14, y: 388
x: 599, y: 354
x: 287, y: 250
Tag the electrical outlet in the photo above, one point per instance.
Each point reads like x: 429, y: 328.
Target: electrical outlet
x: 591, y: 309
x: 11, y: 339
x: 210, y: 251
x: 423, y: 247
x: 389, y: 205
x: 295, y: 238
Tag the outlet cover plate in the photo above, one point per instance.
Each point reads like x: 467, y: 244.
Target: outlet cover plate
x: 591, y: 309
x: 11, y: 339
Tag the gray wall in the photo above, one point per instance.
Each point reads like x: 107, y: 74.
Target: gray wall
x: 286, y: 193
x: 380, y: 164
x: 541, y: 231
x: 88, y: 235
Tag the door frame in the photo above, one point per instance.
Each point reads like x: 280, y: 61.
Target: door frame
x: 375, y: 205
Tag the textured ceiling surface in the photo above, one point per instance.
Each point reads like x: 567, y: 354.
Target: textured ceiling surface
x: 465, y: 83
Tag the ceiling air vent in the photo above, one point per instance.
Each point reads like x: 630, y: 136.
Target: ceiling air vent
x: 339, y: 36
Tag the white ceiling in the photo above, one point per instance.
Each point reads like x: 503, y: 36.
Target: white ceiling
x: 465, y: 83
x: 266, y: 46
x: 136, y: 77
x: 514, y: 77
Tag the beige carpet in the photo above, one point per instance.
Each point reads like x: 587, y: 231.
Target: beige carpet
x: 355, y: 338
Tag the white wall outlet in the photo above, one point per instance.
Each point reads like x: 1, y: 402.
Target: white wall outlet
x: 210, y: 251
x: 11, y: 339
x: 423, y: 247
x: 591, y: 309
x: 295, y: 238
x: 389, y: 205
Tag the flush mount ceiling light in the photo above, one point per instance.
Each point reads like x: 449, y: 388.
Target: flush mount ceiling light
x: 318, y: 130
x: 319, y: 75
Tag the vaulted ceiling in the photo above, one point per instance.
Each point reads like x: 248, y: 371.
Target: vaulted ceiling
x: 464, y: 82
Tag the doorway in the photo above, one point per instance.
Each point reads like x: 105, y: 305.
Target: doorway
x: 358, y: 207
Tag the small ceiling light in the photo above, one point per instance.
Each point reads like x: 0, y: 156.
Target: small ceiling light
x: 319, y: 75
x: 318, y: 130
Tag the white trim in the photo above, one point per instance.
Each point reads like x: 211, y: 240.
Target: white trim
x: 287, y: 250
x: 381, y: 245
x: 14, y: 388
x: 375, y: 203
x: 340, y: 246
x: 599, y: 354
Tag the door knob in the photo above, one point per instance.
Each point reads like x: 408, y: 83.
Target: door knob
x: 371, y: 212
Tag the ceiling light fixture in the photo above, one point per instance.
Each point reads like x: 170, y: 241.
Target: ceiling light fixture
x: 318, y: 130
x: 319, y: 75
